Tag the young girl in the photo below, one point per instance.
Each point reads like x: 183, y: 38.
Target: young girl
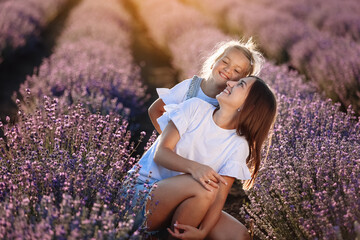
x: 200, y: 152
x: 230, y: 61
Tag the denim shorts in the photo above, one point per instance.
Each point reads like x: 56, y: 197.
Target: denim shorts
x: 139, y: 192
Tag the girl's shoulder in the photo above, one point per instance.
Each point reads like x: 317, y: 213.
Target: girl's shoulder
x: 176, y: 94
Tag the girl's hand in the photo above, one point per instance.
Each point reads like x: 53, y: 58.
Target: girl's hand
x: 188, y: 232
x: 207, y: 177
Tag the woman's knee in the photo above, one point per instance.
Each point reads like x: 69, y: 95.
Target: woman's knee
x: 198, y: 190
x: 207, y: 196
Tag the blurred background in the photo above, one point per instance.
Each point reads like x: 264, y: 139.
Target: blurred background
x: 318, y: 39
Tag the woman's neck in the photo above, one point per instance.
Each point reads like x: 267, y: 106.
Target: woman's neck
x: 225, y: 118
x: 209, y: 88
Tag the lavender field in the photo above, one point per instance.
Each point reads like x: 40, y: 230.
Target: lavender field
x: 81, y: 122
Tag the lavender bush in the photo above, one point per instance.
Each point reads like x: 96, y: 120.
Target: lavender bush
x: 91, y: 73
x: 286, y: 82
x: 21, y: 22
x: 61, y: 175
x: 337, y: 18
x: 309, y: 186
x: 92, y: 63
x: 109, y: 23
x: 333, y: 64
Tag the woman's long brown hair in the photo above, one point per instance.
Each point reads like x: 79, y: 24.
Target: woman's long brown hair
x: 254, y: 122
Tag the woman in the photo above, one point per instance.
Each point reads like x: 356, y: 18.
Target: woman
x: 196, y: 159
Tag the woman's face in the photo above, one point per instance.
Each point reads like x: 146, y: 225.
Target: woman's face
x: 231, y: 66
x: 235, y: 93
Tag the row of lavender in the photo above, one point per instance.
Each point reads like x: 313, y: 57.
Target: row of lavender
x: 338, y: 18
x: 21, y: 22
x: 333, y: 63
x: 62, y: 165
x: 92, y: 63
x: 308, y: 188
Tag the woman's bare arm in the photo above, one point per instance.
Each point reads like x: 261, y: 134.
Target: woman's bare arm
x: 155, y: 111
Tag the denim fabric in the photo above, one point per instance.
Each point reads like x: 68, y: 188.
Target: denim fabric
x: 139, y: 194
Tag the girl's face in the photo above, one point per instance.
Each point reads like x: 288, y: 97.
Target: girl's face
x: 231, y: 66
x: 235, y: 93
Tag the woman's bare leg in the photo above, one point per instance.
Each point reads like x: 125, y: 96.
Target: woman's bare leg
x: 228, y: 228
x: 178, y: 198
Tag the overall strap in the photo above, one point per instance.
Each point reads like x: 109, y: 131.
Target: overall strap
x: 194, y: 87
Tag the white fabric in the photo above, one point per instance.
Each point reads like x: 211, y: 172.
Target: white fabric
x: 201, y: 140
x: 177, y: 94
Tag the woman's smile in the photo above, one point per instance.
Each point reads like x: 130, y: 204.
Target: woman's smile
x: 227, y: 91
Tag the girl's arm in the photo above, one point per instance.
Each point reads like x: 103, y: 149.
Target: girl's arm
x: 166, y: 157
x: 155, y: 111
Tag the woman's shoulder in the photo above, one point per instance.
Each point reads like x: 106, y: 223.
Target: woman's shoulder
x: 237, y: 143
x: 242, y: 144
x: 241, y: 139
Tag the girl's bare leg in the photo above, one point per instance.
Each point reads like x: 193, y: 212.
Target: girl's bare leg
x: 178, y: 198
x: 228, y: 228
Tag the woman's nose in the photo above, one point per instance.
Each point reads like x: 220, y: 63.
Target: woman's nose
x: 230, y: 83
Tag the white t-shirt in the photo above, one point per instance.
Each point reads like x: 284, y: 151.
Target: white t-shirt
x: 177, y: 94
x: 201, y: 140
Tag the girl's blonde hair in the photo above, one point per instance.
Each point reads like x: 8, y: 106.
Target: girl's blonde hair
x: 248, y: 48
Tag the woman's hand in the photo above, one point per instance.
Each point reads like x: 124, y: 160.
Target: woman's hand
x: 166, y: 157
x: 207, y: 176
x: 188, y: 232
